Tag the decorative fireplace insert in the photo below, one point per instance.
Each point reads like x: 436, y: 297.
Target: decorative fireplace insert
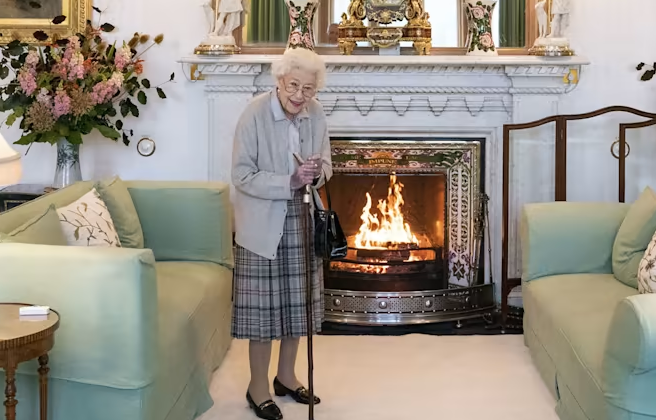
x: 410, y: 211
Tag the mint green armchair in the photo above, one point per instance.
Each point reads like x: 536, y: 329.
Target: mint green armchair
x: 141, y: 330
x: 592, y: 337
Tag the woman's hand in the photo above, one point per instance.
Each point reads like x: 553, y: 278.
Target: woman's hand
x: 304, y: 175
x: 314, y: 163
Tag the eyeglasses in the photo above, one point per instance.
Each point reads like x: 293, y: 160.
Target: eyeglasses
x: 307, y: 91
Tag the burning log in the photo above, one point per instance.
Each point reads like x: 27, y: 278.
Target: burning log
x: 394, y: 252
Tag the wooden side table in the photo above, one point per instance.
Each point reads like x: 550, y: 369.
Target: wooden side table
x: 20, y: 341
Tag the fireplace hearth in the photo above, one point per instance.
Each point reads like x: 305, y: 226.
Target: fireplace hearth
x: 408, y: 209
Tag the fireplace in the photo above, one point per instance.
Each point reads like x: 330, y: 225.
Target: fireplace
x: 408, y: 210
x: 430, y: 98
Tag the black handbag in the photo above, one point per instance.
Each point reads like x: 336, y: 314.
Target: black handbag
x: 329, y: 240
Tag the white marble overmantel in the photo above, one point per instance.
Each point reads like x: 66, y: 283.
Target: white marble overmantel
x: 387, y: 96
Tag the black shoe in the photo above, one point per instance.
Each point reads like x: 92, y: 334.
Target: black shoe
x: 301, y: 395
x: 268, y: 410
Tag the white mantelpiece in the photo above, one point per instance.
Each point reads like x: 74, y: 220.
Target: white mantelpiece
x: 441, y: 96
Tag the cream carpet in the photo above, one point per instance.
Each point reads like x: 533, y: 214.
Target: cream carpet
x: 400, y: 378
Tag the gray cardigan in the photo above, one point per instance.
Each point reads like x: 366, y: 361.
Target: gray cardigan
x: 260, y: 170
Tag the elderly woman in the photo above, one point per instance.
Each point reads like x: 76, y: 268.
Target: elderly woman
x: 270, y: 269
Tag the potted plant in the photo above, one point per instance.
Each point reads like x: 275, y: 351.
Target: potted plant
x: 65, y: 89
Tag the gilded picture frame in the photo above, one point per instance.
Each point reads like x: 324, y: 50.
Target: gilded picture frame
x: 20, y: 18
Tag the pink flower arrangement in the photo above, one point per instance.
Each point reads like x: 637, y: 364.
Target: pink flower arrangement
x: 62, y: 103
x: 27, y: 80
x: 65, y: 88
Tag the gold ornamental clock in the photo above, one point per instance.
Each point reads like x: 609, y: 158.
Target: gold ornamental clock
x: 380, y: 31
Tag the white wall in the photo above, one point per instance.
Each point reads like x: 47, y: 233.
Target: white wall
x: 614, y: 35
x: 611, y: 34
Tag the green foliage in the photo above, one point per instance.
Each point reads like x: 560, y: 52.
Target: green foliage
x: 648, y: 74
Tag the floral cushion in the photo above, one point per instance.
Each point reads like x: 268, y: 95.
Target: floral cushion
x: 633, y: 237
x: 647, y: 269
x: 87, y: 222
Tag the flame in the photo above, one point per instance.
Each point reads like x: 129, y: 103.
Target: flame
x: 390, y: 230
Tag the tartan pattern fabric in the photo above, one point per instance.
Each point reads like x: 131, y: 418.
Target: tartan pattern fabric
x: 270, y: 295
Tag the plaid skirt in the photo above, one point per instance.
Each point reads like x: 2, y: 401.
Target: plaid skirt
x: 270, y: 295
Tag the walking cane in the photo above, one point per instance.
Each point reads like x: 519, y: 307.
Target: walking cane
x: 307, y: 229
x: 308, y: 278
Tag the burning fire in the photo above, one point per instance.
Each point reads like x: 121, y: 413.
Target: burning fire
x: 390, y: 231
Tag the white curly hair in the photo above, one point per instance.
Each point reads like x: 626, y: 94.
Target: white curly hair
x: 301, y: 59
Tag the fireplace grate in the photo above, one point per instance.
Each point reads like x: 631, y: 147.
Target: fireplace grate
x: 384, y: 308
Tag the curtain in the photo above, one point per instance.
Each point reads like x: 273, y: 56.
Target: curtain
x: 268, y: 22
x: 512, y: 23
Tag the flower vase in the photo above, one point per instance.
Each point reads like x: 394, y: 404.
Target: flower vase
x: 301, y: 18
x: 479, y: 21
x: 68, y: 164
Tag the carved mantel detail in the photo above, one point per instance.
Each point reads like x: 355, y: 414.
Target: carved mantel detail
x: 411, y: 75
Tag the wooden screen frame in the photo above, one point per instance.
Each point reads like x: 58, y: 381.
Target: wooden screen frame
x: 508, y: 284
x: 326, y: 6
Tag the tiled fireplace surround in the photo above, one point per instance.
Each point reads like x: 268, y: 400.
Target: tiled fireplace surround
x: 450, y: 97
